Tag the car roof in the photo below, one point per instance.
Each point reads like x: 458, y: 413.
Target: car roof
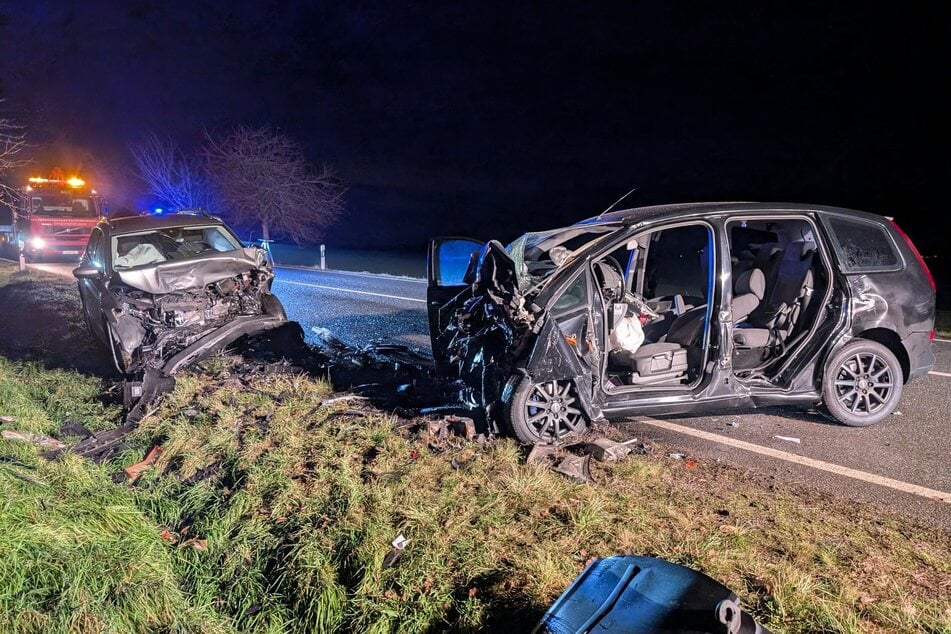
x: 637, y: 215
x: 145, y: 222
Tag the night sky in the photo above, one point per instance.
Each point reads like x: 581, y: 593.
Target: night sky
x: 490, y: 119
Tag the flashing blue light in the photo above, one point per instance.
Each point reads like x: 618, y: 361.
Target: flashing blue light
x: 158, y: 211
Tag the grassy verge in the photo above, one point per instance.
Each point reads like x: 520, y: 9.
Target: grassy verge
x: 290, y: 533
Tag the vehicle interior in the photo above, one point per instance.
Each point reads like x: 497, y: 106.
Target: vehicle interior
x: 657, y: 289
x: 779, y: 279
x: 153, y: 247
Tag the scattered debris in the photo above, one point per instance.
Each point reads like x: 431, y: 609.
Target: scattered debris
x: 541, y: 454
x: 733, y: 423
x: 605, y: 450
x: 102, y: 446
x: 44, y: 442
x: 677, y: 456
x: 169, y: 536
x: 194, y: 542
x: 134, y: 471
x: 7, y: 419
x: 897, y: 413
x: 73, y: 428
x: 690, y: 463
x: 788, y: 439
x: 627, y: 593
x: 578, y: 467
x: 393, y: 557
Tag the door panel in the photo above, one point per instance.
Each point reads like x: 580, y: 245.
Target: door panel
x: 447, y: 262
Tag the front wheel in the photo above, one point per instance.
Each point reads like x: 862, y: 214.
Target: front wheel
x: 862, y: 383
x: 544, y: 413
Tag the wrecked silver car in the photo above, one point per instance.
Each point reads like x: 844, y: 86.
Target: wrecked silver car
x: 163, y: 292
x: 682, y: 308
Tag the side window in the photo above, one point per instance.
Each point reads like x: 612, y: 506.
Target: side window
x: 862, y: 246
x: 678, y: 262
x: 94, y: 248
x: 450, y: 260
x: 574, y: 296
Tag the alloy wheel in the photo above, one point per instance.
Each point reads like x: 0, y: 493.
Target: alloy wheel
x: 550, y: 412
x: 864, y: 383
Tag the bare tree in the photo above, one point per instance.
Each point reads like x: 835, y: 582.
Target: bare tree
x: 263, y: 179
x: 12, y: 143
x: 171, y: 176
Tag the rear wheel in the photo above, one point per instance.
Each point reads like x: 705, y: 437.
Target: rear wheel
x: 862, y: 383
x: 544, y: 413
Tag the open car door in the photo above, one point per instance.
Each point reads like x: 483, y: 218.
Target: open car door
x: 447, y: 261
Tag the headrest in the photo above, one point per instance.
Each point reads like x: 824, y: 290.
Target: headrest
x: 768, y: 251
x: 750, y: 281
x: 608, y: 276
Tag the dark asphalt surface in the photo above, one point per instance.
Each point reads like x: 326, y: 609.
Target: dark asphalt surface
x: 355, y: 307
x: 911, y: 447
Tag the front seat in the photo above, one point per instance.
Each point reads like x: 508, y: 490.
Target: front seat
x: 749, y: 287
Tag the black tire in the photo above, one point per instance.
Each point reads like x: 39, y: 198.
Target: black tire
x: 862, y: 383
x: 544, y: 413
x: 273, y: 306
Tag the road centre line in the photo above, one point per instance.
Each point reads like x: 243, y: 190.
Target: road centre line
x: 898, y: 485
x: 350, y: 290
x: 388, y: 276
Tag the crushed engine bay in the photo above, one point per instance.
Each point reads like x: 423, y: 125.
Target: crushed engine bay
x: 149, y: 329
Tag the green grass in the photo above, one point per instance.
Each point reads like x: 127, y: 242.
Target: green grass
x: 293, y: 529
x: 296, y: 525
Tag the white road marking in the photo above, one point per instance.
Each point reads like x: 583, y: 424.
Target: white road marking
x: 864, y: 476
x: 350, y: 290
x: 310, y: 269
x: 942, y: 340
x: 936, y: 373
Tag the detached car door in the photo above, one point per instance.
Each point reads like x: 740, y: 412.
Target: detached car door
x: 447, y: 261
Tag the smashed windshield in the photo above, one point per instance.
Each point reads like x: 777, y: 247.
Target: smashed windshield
x: 173, y: 243
x: 537, y: 255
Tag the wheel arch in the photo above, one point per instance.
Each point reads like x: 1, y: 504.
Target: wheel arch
x: 890, y: 339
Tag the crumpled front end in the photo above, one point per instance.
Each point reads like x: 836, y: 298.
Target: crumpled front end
x: 493, y: 328
x: 154, y: 318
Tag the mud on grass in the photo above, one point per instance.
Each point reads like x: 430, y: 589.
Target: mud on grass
x: 291, y: 530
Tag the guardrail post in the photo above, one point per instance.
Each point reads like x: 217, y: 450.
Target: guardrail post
x: 323, y: 257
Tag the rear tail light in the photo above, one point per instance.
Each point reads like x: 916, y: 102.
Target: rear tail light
x: 921, y: 260
x: 931, y: 336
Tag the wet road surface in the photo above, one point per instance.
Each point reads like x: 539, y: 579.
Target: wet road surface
x: 891, y: 462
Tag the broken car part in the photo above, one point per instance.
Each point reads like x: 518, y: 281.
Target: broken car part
x: 627, y: 593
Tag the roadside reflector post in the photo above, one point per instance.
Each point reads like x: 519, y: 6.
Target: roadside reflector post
x: 323, y: 257
x: 22, y: 261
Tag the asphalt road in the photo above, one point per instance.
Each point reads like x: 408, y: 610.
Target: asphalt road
x: 901, y: 463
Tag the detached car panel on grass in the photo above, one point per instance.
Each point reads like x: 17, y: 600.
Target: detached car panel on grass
x: 163, y: 292
x: 682, y: 308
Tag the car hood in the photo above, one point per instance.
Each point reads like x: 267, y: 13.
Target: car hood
x: 169, y: 277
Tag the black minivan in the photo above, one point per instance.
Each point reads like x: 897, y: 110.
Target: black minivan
x: 682, y: 308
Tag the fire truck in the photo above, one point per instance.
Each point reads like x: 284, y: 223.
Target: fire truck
x: 55, y: 215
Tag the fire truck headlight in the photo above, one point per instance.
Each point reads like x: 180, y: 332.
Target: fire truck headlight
x: 37, y: 243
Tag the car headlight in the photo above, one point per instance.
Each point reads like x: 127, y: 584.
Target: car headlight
x: 37, y: 243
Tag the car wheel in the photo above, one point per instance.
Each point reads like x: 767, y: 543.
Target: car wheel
x: 544, y: 413
x: 862, y: 383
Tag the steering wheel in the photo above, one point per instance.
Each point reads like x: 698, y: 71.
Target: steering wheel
x: 641, y: 305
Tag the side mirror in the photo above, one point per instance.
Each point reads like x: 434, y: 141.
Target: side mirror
x: 86, y: 272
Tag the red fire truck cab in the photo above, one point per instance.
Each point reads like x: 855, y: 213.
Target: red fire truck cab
x: 55, y: 216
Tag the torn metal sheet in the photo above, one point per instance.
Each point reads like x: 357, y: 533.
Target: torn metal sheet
x: 577, y: 467
x: 604, y: 450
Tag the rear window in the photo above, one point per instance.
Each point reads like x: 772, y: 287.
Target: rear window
x: 862, y: 246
